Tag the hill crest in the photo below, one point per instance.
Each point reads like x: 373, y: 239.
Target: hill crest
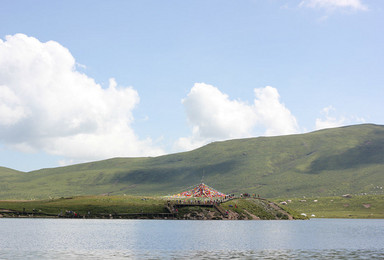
x: 322, y: 163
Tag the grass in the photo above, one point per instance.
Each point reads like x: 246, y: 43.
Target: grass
x: 259, y: 208
x: 95, y: 205
x: 369, y: 206
x: 322, y: 163
x: 365, y: 206
x: 196, y: 212
x: 92, y: 204
x: 255, y: 207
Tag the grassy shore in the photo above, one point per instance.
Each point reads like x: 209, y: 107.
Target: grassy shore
x: 141, y: 207
x: 88, y: 205
x: 368, y: 206
x: 364, y: 206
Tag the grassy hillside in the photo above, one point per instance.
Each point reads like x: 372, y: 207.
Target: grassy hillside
x: 322, y: 163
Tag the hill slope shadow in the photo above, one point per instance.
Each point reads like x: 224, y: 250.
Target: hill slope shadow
x: 370, y: 152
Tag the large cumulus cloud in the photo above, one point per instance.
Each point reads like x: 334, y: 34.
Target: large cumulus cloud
x: 46, y: 104
x: 214, y: 116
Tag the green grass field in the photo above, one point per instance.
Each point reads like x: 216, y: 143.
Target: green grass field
x: 367, y: 206
x: 92, y: 204
x: 328, y: 207
x: 95, y: 206
x: 256, y: 207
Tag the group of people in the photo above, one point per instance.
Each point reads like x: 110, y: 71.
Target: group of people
x: 72, y: 214
x: 199, y: 202
x: 247, y: 195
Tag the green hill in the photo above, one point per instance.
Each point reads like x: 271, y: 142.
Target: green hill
x: 322, y: 163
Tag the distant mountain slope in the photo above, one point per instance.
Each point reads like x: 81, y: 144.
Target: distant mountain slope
x: 322, y: 163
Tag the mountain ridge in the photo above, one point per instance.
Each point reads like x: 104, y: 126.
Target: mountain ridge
x: 326, y: 162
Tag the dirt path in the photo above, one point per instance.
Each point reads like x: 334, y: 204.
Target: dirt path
x: 233, y: 215
x: 276, y: 207
x: 253, y: 216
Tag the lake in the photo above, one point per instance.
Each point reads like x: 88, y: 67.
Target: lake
x: 186, y: 239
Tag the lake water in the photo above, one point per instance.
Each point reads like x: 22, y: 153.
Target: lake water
x: 174, y: 239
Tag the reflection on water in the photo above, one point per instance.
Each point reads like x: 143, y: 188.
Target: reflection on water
x: 162, y: 239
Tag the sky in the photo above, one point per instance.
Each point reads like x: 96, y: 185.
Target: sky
x: 90, y: 80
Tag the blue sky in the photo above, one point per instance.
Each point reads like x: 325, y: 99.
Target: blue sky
x: 90, y: 80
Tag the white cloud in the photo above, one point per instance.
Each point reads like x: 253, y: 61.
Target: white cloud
x: 330, y: 120
x: 213, y: 116
x: 335, y: 4
x: 272, y: 114
x: 46, y: 104
x: 11, y: 109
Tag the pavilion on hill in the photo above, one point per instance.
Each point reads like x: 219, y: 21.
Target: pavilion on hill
x: 200, y: 191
